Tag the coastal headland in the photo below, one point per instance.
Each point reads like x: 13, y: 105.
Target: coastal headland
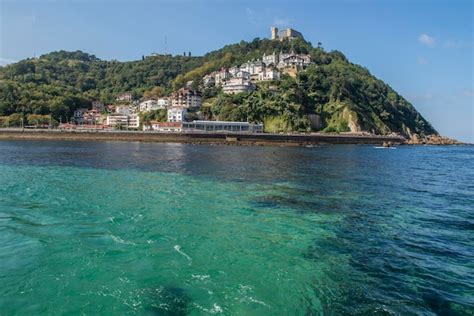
x: 259, y: 139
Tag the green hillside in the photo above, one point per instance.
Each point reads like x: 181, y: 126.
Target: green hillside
x: 331, y: 95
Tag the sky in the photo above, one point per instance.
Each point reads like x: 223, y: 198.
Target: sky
x: 423, y: 49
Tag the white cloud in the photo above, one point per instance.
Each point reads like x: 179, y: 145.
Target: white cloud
x: 279, y: 21
x: 468, y: 93
x: 6, y: 61
x: 426, y: 39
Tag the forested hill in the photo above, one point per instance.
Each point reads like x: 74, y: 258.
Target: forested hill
x: 345, y: 96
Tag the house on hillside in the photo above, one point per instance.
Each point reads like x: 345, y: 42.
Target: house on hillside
x: 298, y: 61
x: 253, y: 67
x: 126, y: 109
x: 209, y: 80
x: 98, y: 106
x: 238, y: 85
x: 185, y: 98
x: 221, y: 76
x: 148, y: 105
x: 234, y: 70
x: 153, y: 104
x: 176, y: 113
x: 93, y: 117
x: 269, y: 74
x: 163, y: 103
x: 270, y: 59
x: 127, y: 96
x: 243, y: 74
x: 79, y: 115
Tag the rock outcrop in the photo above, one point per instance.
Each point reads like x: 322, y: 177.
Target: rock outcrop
x: 432, y: 140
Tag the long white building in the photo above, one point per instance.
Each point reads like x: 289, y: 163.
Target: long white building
x: 163, y: 126
x: 223, y: 126
x: 127, y: 121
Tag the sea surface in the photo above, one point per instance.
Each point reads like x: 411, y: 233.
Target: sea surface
x: 117, y: 228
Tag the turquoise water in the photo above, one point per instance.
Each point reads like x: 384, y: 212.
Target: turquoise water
x: 173, y: 229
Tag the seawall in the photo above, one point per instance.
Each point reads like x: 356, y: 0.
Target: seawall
x: 198, y: 137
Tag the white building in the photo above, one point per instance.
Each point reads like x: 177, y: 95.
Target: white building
x: 128, y: 121
x: 242, y: 74
x: 127, y: 109
x: 234, y: 70
x: 238, y: 85
x: 153, y: 104
x: 270, y: 73
x: 124, y: 97
x: 253, y: 67
x: 270, y: 59
x: 148, y: 105
x: 133, y: 121
x: 189, y: 84
x: 209, y: 79
x: 176, y: 113
x: 163, y: 103
x: 186, y: 98
x: 93, y: 117
x: 283, y: 60
x: 221, y: 76
x: 294, y: 60
x: 257, y: 70
x: 117, y: 119
x: 223, y: 126
x: 164, y: 126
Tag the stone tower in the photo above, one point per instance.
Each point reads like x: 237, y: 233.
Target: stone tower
x: 274, y: 31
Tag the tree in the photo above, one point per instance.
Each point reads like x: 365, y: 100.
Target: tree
x: 37, y: 119
x: 156, y: 92
x: 14, y: 119
x: 59, y: 108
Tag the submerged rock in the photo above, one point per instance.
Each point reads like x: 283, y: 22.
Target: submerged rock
x: 168, y: 301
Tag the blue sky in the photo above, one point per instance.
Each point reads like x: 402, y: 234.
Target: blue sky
x: 423, y: 49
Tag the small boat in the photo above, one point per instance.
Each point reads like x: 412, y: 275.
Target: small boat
x: 386, y: 145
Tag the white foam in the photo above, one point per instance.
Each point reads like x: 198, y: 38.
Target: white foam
x: 120, y: 240
x: 216, y: 309
x: 200, y: 276
x: 178, y: 249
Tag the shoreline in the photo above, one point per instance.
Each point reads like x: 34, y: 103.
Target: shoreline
x: 262, y: 139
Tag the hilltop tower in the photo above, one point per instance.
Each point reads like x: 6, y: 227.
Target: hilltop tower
x: 274, y: 31
x: 287, y: 33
